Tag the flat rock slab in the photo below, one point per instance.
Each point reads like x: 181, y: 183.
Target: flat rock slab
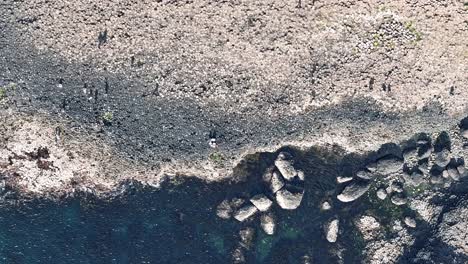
x: 353, y: 191
x: 288, y: 200
x: 245, y: 213
x: 286, y: 168
x: 276, y: 182
x: 261, y: 202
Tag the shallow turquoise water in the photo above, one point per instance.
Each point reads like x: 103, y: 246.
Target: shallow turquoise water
x: 178, y: 223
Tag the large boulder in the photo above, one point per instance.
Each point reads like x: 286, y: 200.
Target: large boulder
x: 267, y: 222
x: 261, y: 202
x: 386, y: 165
x: 332, y: 229
x: 353, y: 191
x: 289, y: 200
x: 285, y: 166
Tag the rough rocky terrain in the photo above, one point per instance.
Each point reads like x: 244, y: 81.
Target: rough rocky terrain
x: 93, y: 94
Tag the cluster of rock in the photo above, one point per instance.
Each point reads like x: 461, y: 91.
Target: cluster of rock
x: 286, y: 185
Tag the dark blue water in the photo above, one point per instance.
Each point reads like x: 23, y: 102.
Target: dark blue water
x: 178, y: 224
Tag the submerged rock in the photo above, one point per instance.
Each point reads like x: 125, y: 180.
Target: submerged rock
x: 288, y: 200
x: 332, y: 230
x: 246, y: 237
x: 381, y: 194
x: 353, y: 191
x: 261, y: 202
x: 224, y: 210
x: 386, y: 165
x: 276, y: 182
x: 267, y: 222
x: 285, y: 167
x: 245, y: 213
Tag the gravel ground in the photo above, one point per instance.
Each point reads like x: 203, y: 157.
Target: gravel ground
x: 150, y: 82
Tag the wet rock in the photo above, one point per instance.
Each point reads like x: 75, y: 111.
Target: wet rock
x: 386, y: 165
x: 261, y: 202
x: 289, y: 200
x: 341, y: 179
x: 442, y: 158
x: 364, y: 174
x: 245, y: 213
x: 410, y: 222
x: 381, y: 193
x: 267, y: 222
x: 368, y: 226
x: 353, y: 191
x: 276, y: 182
x: 399, y: 199
x: 332, y: 229
x: 325, y: 206
x: 285, y: 166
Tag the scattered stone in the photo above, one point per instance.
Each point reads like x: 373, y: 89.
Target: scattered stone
x: 461, y: 170
x: 386, y: 165
x: 410, y: 155
x: 301, y: 175
x: 445, y: 174
x: 276, y: 182
x: 453, y: 173
x: 442, y: 158
x: 267, y: 222
x: 353, y: 191
x: 399, y: 199
x: 397, y: 187
x: 325, y: 206
x: 332, y: 230
x: 425, y: 152
x: 288, y: 200
x: 341, y: 179
x: 245, y: 212
x: 368, y: 226
x: 364, y: 174
x: 410, y: 222
x: 381, y: 194
x: 285, y: 167
x: 261, y: 202
x: 437, y: 179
